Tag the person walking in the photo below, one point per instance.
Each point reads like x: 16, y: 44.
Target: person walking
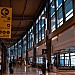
x: 55, y: 65
x: 10, y: 67
x: 43, y: 68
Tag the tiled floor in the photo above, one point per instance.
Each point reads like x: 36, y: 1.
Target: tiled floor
x: 34, y: 71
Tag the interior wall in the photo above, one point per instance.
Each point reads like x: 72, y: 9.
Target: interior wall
x: 39, y: 49
x: 30, y: 53
x: 64, y: 40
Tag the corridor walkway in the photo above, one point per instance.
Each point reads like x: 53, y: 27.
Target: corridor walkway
x: 35, y: 71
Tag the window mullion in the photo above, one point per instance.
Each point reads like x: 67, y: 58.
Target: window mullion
x: 38, y: 32
x: 63, y: 10
x: 55, y: 14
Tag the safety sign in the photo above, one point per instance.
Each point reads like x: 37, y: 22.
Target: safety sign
x: 5, y: 22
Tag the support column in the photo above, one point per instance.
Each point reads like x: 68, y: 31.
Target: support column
x: 48, y: 45
x: 55, y: 14
x: 10, y: 54
x: 17, y: 50
x: 21, y: 50
x: 34, y: 56
x: 1, y: 60
x: 26, y: 48
x: 64, y: 59
x: 48, y: 41
x: 26, y: 57
x: 34, y: 42
x: 58, y: 59
x: 3, y: 57
x: 63, y: 7
x: 69, y: 59
x: 13, y: 53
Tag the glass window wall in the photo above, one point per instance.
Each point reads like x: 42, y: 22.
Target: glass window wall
x: 57, y: 9
x: 68, y: 9
x: 30, y: 38
x: 24, y: 43
x: 40, y: 26
x: 68, y: 58
x: 39, y: 60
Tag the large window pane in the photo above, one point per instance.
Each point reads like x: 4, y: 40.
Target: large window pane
x: 37, y: 32
x: 62, y: 62
x: 59, y: 17
x: 68, y: 9
x: 58, y: 3
x: 67, y: 62
x: 52, y: 7
x: 37, y: 60
x: 43, y: 33
x: 28, y: 41
x: 50, y: 1
x: 53, y: 23
x: 62, y: 59
x: 40, y: 35
x: 36, y: 28
x: 72, y: 59
x: 39, y: 26
x: 30, y: 37
x: 37, y: 38
x: 43, y: 22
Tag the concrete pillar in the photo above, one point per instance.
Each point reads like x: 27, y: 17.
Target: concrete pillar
x: 34, y: 42
x: 26, y: 48
x: 17, y: 50
x: 34, y: 55
x: 1, y: 60
x: 48, y: 41
x: 21, y: 50
x: 4, y: 51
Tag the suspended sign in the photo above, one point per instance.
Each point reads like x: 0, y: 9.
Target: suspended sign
x: 44, y: 51
x: 5, y: 22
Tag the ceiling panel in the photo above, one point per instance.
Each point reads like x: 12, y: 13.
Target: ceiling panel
x: 15, y: 23
x: 18, y: 7
x: 5, y: 3
x: 32, y: 6
x: 13, y: 32
x: 24, y: 24
x: 19, y: 32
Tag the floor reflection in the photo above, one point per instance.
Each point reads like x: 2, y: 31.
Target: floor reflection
x: 27, y: 70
